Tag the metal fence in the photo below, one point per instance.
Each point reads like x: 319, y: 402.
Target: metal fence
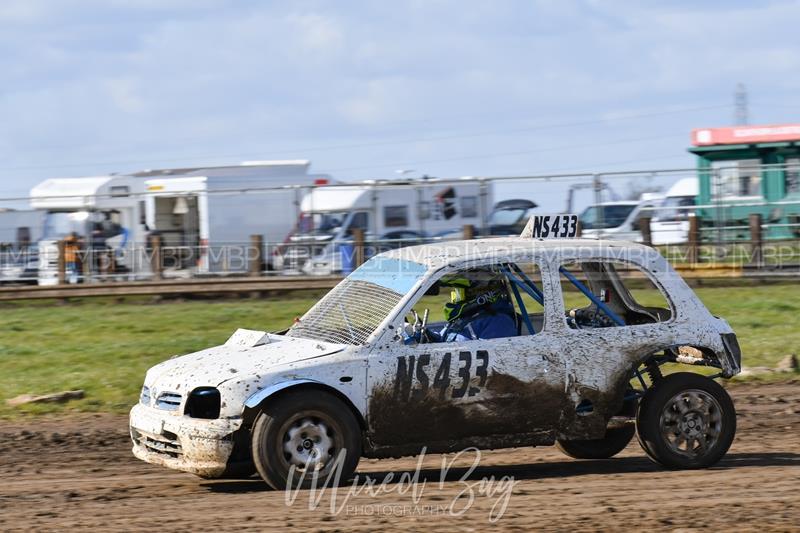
x: 752, y: 232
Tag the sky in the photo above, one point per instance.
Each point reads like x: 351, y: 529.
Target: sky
x: 364, y: 89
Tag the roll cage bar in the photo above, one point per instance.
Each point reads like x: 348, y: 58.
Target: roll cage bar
x: 526, y: 284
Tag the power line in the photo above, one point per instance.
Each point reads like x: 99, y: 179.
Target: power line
x: 505, y: 154
x: 614, y: 163
x: 375, y: 143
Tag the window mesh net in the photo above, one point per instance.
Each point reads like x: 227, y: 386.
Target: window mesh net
x: 348, y: 314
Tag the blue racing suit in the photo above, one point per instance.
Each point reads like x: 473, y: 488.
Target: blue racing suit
x: 491, y: 322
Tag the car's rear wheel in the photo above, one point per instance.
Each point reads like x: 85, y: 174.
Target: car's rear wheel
x: 686, y: 421
x: 306, y: 438
x: 614, y: 441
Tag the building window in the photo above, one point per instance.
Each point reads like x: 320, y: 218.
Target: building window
x: 737, y: 178
x: 395, y: 216
x: 792, y: 174
x: 469, y: 206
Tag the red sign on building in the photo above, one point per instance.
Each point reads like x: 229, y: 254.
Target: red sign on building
x: 746, y: 134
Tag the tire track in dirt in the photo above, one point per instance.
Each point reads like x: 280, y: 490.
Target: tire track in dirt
x: 78, y: 472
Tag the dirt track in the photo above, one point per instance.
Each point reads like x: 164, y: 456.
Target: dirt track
x: 79, y: 473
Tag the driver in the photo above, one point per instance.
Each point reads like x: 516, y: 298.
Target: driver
x: 479, y: 308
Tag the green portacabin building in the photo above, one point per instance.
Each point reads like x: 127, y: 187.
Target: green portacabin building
x: 749, y: 169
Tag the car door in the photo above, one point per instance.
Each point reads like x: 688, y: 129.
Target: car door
x: 502, y: 388
x: 603, y: 352
x: 424, y: 393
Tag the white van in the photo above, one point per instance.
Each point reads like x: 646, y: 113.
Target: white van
x: 392, y: 213
x: 617, y: 220
x: 670, y: 224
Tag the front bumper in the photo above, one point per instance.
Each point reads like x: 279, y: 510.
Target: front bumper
x: 733, y: 354
x: 194, y: 445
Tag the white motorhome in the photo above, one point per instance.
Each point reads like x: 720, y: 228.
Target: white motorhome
x: 617, y: 220
x: 205, y: 216
x: 394, y: 213
x: 670, y: 224
x: 105, y: 212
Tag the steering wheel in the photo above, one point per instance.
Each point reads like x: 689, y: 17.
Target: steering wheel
x: 417, y: 331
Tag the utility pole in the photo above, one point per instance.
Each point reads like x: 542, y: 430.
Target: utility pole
x: 740, y: 104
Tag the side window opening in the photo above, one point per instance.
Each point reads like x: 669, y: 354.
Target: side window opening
x: 493, y: 301
x: 610, y: 294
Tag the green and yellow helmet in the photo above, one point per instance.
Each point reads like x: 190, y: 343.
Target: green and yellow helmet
x: 472, y: 290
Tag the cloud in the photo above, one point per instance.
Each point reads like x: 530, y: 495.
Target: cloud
x: 317, y: 34
x: 125, y: 94
x: 105, y: 81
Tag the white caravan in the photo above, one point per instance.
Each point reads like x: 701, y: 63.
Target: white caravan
x: 617, y: 220
x: 205, y: 216
x: 670, y: 223
x: 391, y: 214
x: 105, y: 212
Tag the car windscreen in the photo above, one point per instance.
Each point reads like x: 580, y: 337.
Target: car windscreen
x: 506, y: 217
x: 320, y: 224
x: 605, y: 216
x: 675, y: 208
x: 59, y: 224
x: 352, y: 311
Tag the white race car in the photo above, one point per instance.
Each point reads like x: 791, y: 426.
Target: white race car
x: 364, y: 374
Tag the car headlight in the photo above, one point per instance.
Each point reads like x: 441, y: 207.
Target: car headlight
x: 203, y: 402
x: 144, y: 396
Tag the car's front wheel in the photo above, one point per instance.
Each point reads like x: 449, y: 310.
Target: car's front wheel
x: 304, y: 439
x: 687, y: 421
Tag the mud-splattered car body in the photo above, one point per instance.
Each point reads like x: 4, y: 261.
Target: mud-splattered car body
x: 529, y: 389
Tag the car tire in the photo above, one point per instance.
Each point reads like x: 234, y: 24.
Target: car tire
x: 614, y: 441
x: 686, y: 421
x: 306, y: 428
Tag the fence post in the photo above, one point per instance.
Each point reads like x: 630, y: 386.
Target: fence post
x: 647, y: 233
x: 86, y: 262
x: 693, y: 240
x: 756, y: 239
x: 155, y: 257
x: 469, y: 232
x: 257, y: 259
x: 62, y: 262
x: 358, y: 247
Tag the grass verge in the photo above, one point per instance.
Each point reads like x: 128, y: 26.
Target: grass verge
x: 104, y: 346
